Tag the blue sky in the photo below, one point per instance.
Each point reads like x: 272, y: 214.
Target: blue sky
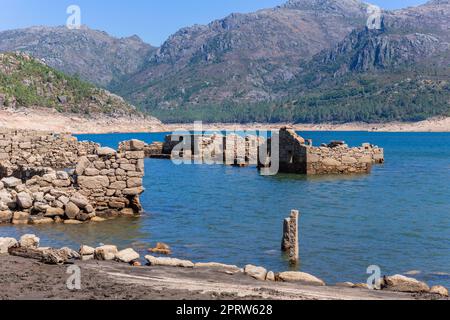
x: 152, y: 20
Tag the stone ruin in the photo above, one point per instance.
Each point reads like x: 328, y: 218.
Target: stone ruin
x: 233, y: 149
x: 296, y: 155
x: 48, y: 177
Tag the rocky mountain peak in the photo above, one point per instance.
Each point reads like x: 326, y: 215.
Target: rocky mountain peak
x: 93, y: 55
x: 338, y: 6
x: 437, y: 2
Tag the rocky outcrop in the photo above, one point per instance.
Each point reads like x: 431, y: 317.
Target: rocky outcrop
x: 301, y: 277
x: 258, y: 273
x: 440, y: 290
x: 29, y: 241
x: 127, y: 255
x: 168, y: 262
x: 226, y: 268
x: 6, y: 243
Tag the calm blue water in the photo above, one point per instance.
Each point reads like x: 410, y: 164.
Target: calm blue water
x: 398, y: 217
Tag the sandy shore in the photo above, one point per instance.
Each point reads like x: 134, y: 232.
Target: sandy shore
x: 430, y: 125
x: 46, y: 120
x: 29, y: 279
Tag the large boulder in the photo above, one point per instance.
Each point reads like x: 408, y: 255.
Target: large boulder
x: 169, y: 262
x: 20, y: 217
x: 137, y: 145
x: 70, y: 253
x: 258, y: 273
x: 440, y: 290
x: 133, y: 191
x: 231, y: 269
x: 270, y: 276
x: 11, y: 182
x: 404, y: 284
x: 105, y: 151
x: 161, y: 248
x: 82, y: 164
x: 5, y: 216
x: 134, y: 182
x: 62, y: 175
x: 127, y: 255
x: 6, y: 243
x: 94, y: 182
x: 306, y: 278
x: 40, y: 220
x: 54, y: 212
x: 29, y: 241
x: 24, y: 200
x: 105, y: 252
x: 71, y: 210
x: 3, y: 206
x: 7, y: 199
x: 86, y: 250
x: 79, y: 200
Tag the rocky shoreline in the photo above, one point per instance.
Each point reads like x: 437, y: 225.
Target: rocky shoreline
x: 113, y: 267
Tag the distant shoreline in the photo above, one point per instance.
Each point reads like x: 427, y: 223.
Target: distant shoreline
x: 47, y: 120
x: 430, y: 125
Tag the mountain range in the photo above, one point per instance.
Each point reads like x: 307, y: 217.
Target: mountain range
x: 305, y: 61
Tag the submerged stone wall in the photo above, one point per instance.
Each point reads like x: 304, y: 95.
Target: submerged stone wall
x: 232, y: 149
x: 296, y: 155
x: 96, y: 182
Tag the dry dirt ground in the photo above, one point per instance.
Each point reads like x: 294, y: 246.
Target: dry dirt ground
x: 46, y: 120
x: 25, y: 279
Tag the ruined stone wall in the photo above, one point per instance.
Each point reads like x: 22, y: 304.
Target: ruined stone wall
x: 113, y: 181
x: 33, y: 149
x: 340, y: 159
x: 296, y: 155
x: 103, y: 183
x: 231, y: 149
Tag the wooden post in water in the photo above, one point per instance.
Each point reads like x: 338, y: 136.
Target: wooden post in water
x: 289, y: 243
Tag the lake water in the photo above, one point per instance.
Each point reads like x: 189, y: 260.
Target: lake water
x: 397, y: 217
